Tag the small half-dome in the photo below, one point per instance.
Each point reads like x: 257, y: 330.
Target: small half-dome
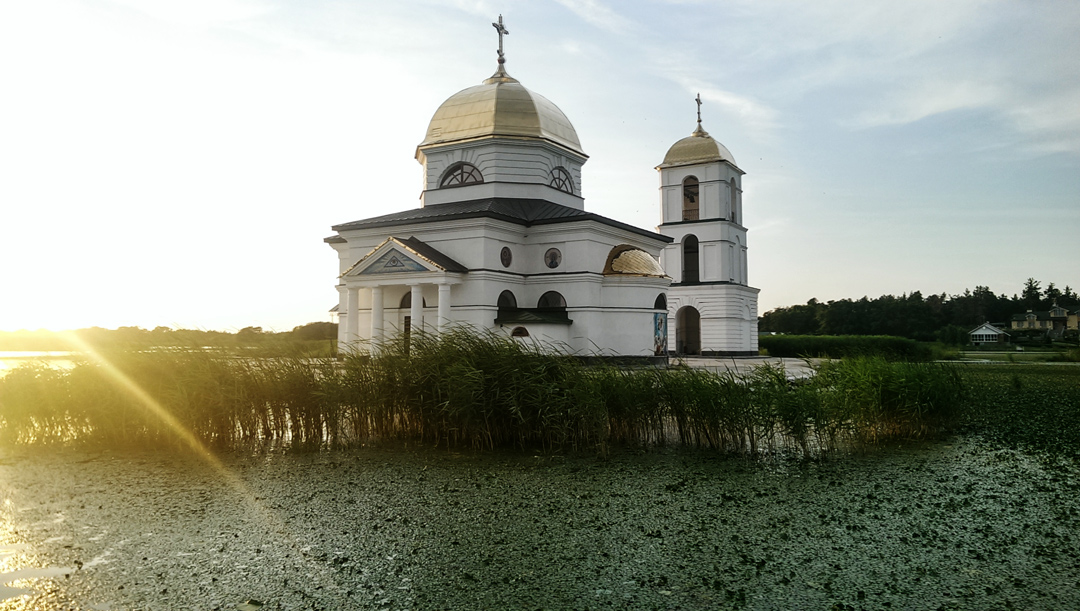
x: 500, y: 106
x: 629, y: 260
x: 698, y: 147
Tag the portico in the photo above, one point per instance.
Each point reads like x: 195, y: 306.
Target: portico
x: 397, y: 271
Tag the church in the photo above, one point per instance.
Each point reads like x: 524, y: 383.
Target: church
x: 502, y: 241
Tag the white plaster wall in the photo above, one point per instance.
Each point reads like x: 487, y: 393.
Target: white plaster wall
x: 511, y: 168
x: 728, y: 316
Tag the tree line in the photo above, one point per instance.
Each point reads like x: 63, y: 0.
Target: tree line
x: 137, y: 337
x: 934, y: 318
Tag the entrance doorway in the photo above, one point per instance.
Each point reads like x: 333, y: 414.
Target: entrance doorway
x: 687, y: 331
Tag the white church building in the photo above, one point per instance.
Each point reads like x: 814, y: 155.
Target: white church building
x: 502, y: 241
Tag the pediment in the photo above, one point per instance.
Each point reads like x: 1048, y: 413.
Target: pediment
x: 396, y: 256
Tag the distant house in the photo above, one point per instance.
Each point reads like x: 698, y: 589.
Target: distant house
x: 1053, y: 321
x: 987, y: 334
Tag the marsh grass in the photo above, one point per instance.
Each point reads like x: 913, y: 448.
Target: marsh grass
x: 469, y: 390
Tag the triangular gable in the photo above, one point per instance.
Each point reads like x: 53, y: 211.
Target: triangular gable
x: 393, y: 261
x: 395, y: 256
x: 987, y: 328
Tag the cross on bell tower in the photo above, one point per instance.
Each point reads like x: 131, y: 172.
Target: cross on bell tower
x: 700, y: 132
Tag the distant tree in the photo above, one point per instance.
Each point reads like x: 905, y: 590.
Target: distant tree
x: 1051, y: 295
x: 797, y: 319
x: 1031, y: 296
x: 315, y: 331
x: 914, y: 316
x: 953, y: 335
x: 1069, y: 297
x: 249, y: 334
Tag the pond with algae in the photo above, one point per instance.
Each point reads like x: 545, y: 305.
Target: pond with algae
x: 938, y: 525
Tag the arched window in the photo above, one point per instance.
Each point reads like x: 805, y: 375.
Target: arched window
x: 461, y: 174
x: 731, y: 262
x: 734, y: 201
x: 406, y: 301
x: 507, y: 301
x: 561, y: 180
x: 519, y: 332
x: 690, y: 259
x: 690, y: 206
x: 551, y: 301
x: 660, y: 303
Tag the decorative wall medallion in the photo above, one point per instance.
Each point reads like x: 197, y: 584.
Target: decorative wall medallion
x: 553, y: 258
x: 506, y: 256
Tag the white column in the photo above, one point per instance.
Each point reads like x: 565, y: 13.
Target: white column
x: 352, y: 325
x: 416, y: 312
x: 376, y: 316
x: 444, y: 307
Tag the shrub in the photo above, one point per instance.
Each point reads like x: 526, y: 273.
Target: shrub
x: 844, y: 346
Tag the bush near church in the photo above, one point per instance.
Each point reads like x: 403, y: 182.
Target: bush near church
x: 843, y: 346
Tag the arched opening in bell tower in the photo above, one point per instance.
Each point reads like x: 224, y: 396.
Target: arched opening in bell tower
x: 688, y: 331
x: 690, y: 259
x: 734, y: 201
x: 690, y: 199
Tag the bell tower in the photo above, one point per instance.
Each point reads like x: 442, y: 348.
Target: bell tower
x: 712, y: 309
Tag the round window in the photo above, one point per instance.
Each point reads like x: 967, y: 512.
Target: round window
x: 553, y: 258
x: 506, y: 256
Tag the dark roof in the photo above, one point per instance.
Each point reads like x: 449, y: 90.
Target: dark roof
x: 527, y: 212
x: 1041, y: 315
x: 431, y: 254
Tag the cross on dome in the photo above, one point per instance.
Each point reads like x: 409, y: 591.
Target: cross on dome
x: 501, y: 30
x: 700, y: 132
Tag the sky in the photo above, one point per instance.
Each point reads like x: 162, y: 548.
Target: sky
x: 167, y: 163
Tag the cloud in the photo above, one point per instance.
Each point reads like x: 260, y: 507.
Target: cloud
x: 599, y: 15
x: 928, y: 98
x: 199, y: 12
x: 758, y: 118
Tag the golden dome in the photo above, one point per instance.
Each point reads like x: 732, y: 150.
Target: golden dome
x: 500, y: 106
x: 698, y: 147
x: 630, y: 260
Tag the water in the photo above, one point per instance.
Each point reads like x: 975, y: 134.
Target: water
x: 12, y: 359
x: 929, y: 525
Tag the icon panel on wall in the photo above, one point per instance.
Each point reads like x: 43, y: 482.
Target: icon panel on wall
x: 553, y: 258
x: 506, y: 256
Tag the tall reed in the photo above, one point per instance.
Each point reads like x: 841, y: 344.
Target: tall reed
x: 467, y: 389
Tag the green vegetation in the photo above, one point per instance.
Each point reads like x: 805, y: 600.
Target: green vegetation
x: 465, y: 390
x: 1030, y: 406
x: 942, y: 317
x: 836, y: 347
x: 312, y: 339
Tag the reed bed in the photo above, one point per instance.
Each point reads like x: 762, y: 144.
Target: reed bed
x: 467, y: 389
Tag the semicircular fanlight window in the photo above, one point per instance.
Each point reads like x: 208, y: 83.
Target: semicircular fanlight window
x: 461, y: 174
x: 561, y: 180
